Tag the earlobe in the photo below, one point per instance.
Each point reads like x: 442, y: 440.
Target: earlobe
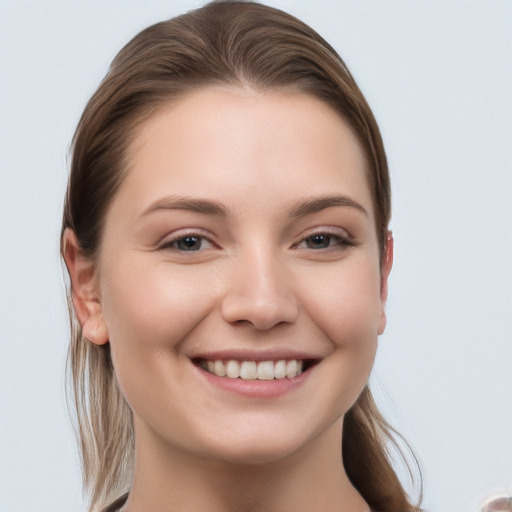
x: 387, y: 263
x: 84, y: 293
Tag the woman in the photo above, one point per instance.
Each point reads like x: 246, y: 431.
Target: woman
x: 226, y: 236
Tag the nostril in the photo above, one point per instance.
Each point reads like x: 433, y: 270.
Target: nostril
x: 262, y: 315
x: 259, y: 293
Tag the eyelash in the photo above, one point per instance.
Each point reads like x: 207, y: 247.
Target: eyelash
x: 341, y: 241
x: 172, y: 243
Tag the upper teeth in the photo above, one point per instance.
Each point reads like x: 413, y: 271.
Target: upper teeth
x: 252, y: 370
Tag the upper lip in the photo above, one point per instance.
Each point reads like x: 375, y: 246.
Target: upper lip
x: 255, y: 355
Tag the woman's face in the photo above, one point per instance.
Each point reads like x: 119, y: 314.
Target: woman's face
x: 243, y: 239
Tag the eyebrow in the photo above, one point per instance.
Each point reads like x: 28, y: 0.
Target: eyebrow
x: 321, y: 203
x: 203, y: 206
x: 207, y: 207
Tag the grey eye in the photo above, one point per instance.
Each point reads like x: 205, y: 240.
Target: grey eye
x: 318, y: 241
x: 189, y: 243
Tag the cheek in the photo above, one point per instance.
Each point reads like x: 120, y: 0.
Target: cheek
x: 149, y: 311
x: 152, y: 307
x: 347, y: 305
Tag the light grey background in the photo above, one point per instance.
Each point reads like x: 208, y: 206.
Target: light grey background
x: 439, y: 78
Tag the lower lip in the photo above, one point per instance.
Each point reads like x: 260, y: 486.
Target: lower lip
x: 256, y: 388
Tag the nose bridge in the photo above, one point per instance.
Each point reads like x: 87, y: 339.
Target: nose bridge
x: 259, y: 290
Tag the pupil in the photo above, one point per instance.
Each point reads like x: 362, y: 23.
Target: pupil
x: 189, y: 243
x: 319, y: 241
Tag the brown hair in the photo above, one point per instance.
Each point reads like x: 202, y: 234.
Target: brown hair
x: 224, y: 42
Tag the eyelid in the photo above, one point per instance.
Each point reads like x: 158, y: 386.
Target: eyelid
x: 171, y: 238
x: 334, y: 231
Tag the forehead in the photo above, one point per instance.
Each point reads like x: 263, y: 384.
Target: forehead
x: 246, y: 146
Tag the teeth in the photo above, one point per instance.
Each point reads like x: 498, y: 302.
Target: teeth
x: 248, y: 370
x: 219, y: 368
x: 266, y: 370
x: 233, y: 369
x: 280, y: 370
x: 291, y: 368
x: 252, y: 370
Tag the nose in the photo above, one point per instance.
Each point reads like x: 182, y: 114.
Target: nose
x: 259, y: 293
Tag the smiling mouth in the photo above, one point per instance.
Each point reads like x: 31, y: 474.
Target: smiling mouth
x: 256, y: 370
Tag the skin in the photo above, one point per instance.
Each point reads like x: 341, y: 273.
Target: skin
x: 259, y: 283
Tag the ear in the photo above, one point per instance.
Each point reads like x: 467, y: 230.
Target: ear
x: 387, y: 263
x: 84, y: 292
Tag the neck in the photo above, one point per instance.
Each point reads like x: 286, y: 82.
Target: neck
x: 313, y: 478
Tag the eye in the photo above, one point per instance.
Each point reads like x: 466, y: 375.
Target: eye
x: 187, y: 243
x: 318, y: 241
x: 324, y: 240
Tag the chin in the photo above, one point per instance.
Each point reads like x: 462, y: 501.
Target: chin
x: 266, y: 443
